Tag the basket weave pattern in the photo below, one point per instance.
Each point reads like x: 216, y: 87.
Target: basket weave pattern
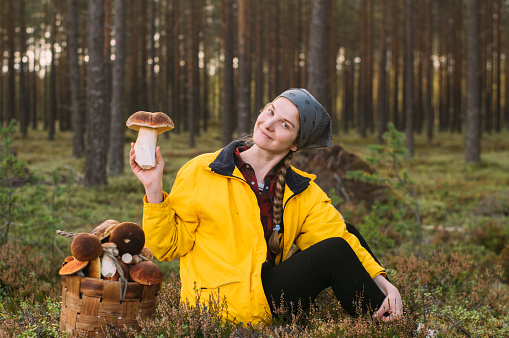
x: 89, y: 303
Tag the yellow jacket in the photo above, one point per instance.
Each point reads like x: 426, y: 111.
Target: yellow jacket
x: 211, y: 220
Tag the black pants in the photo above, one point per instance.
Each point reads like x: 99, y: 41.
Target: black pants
x: 331, y: 262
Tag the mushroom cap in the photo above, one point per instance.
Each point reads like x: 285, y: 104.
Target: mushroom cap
x: 146, y: 273
x: 67, y: 260
x: 160, y: 121
x: 129, y: 237
x: 93, y: 268
x: 104, y: 229
x: 85, y: 247
x: 72, y: 267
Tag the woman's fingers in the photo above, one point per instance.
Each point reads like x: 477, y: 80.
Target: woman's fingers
x: 389, y: 310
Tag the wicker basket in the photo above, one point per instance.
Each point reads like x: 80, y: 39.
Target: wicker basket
x: 89, y: 303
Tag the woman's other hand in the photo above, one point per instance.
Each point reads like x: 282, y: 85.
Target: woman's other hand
x: 392, y: 306
x: 152, y: 179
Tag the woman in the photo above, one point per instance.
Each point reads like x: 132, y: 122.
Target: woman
x: 233, y: 215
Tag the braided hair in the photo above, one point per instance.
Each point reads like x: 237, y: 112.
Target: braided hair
x: 277, y: 205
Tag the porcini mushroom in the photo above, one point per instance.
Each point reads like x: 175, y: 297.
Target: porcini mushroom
x: 146, y: 273
x: 129, y: 237
x: 148, y: 125
x: 85, y: 247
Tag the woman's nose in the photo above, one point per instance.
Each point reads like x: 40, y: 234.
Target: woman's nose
x: 269, y: 123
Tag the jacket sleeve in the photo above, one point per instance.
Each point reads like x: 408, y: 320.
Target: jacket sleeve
x: 169, y: 234
x: 324, y: 221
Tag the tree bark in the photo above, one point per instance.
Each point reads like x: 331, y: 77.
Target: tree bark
x: 117, y: 124
x: 428, y: 73
x: 458, y: 62
x: 134, y: 54
x: 409, y: 79
x: 395, y: 61
x: 24, y: 99
x: 259, y: 56
x: 318, y: 80
x: 382, y: 120
x: 95, y: 161
x: 227, y: 118
x: 52, y: 112
x: 78, y: 135
x: 11, y: 75
x: 473, y: 81
x: 244, y: 78
x: 192, y: 89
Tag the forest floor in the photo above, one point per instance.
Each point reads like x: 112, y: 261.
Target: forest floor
x: 459, y: 288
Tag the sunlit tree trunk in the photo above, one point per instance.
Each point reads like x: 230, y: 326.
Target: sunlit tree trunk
x: 409, y: 79
x: 489, y: 60
x: 95, y: 160
x: 143, y: 46
x: 117, y: 125
x: 107, y: 59
x: 77, y: 118
x: 227, y: 27
x: 473, y: 89
x: 192, y: 89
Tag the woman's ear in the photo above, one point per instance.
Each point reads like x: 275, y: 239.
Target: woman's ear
x: 294, y: 147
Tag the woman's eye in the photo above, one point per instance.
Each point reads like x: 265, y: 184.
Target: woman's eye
x: 285, y: 125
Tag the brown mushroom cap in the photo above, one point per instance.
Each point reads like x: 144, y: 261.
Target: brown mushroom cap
x: 85, y: 247
x: 158, y: 120
x: 72, y: 267
x: 104, y: 229
x: 146, y: 273
x: 129, y: 237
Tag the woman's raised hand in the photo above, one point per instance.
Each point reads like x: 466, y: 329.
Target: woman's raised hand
x: 392, y: 306
x: 152, y: 179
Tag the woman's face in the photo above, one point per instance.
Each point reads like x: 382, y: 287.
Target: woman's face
x: 277, y: 127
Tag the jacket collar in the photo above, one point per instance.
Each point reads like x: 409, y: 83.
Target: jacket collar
x: 224, y: 165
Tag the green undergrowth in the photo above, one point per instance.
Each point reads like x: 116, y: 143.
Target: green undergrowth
x: 458, y: 289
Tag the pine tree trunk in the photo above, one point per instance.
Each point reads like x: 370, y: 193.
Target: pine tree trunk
x: 244, y: 78
x: 318, y: 82
x: 395, y: 62
x: 227, y: 118
x: 498, y: 79
x: 458, y: 62
x: 95, y: 161
x: 176, y: 83
x: 409, y: 79
x: 117, y: 125
x: 24, y: 103
x: 259, y: 56
x: 382, y: 79
x: 11, y: 75
x: 192, y: 89
x: 134, y: 54
x: 428, y: 70
x: 2, y: 24
x: 78, y: 128
x: 473, y: 89
x: 361, y: 98
x: 143, y: 78
x: 52, y: 112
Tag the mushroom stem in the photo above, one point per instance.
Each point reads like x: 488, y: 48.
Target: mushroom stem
x: 145, y: 147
